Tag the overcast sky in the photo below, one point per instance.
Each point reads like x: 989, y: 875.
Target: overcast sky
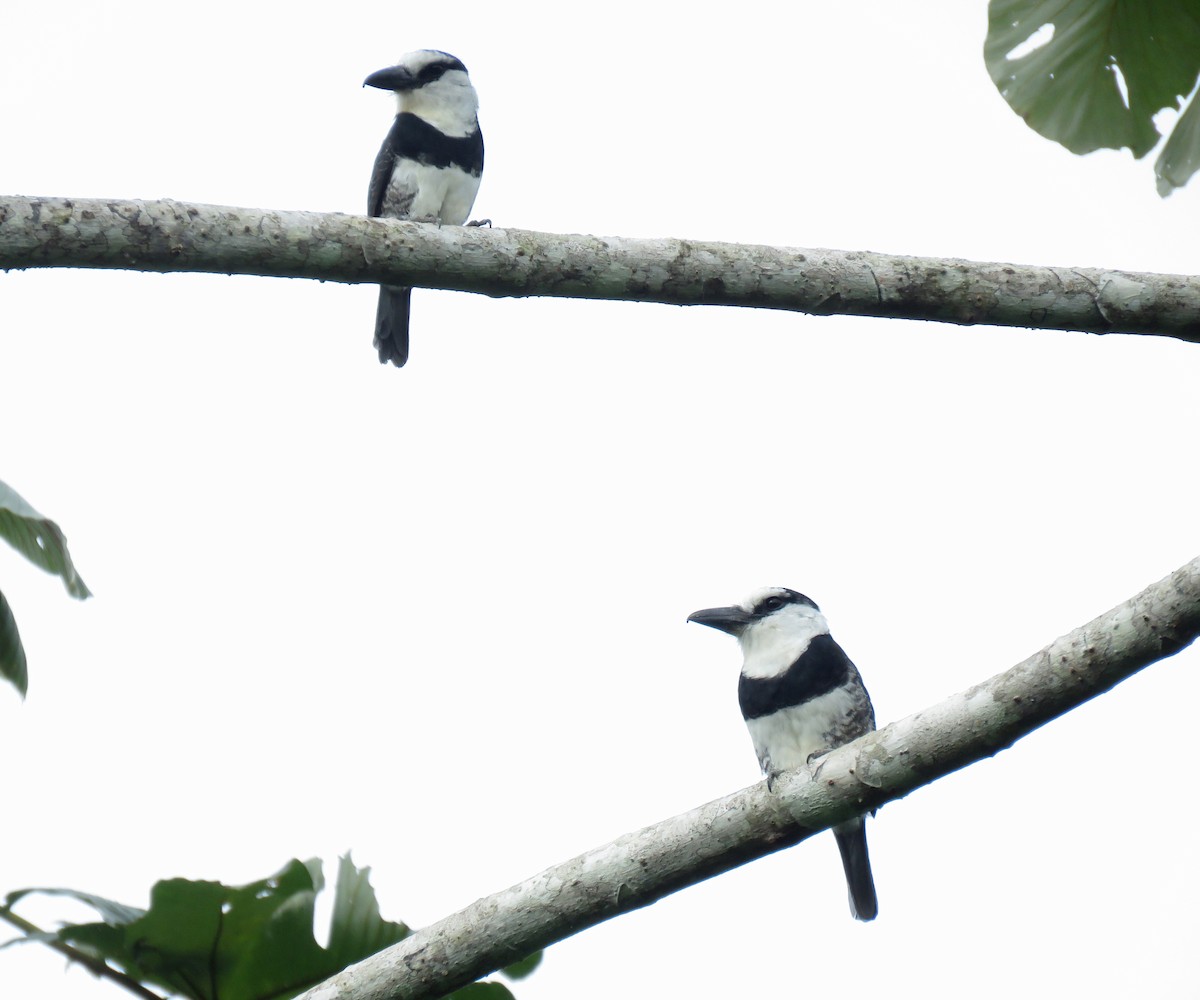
x: 437, y: 615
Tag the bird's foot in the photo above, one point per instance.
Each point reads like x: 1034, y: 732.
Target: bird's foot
x: 480, y: 222
x: 814, y: 760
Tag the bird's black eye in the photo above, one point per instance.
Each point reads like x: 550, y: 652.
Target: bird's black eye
x: 772, y: 604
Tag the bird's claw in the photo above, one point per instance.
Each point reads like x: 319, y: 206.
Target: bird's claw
x: 816, y: 760
x: 480, y: 222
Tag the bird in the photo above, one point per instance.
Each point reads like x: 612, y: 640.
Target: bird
x: 801, y: 696
x: 428, y: 168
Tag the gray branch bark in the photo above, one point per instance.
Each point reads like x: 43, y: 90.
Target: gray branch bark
x: 174, y: 236
x: 641, y: 867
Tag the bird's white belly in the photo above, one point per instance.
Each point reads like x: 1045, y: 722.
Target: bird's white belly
x: 438, y: 193
x: 784, y: 740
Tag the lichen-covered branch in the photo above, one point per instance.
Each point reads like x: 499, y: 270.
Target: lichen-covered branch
x: 174, y: 236
x: 646, y: 865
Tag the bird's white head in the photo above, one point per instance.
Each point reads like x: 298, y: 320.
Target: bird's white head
x: 434, y: 86
x: 773, y: 626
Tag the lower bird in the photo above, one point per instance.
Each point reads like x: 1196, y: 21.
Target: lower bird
x: 801, y: 697
x: 428, y: 168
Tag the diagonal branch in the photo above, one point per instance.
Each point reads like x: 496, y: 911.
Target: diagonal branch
x: 175, y: 236
x: 642, y: 867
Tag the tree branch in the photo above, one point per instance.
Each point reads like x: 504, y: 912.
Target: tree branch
x: 175, y: 236
x: 642, y: 867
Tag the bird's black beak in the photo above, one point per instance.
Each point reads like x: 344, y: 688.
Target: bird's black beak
x: 731, y: 620
x: 392, y: 78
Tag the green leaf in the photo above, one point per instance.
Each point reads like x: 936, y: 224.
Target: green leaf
x: 171, y: 945
x: 211, y: 941
x: 356, y: 927
x: 38, y: 539
x: 482, y: 991
x: 116, y: 913
x: 1067, y: 88
x: 1180, y: 157
x: 521, y: 969
x: 12, y: 654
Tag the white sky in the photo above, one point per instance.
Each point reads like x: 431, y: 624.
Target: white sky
x: 437, y: 615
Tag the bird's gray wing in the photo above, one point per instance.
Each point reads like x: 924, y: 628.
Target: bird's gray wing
x: 383, y: 197
x: 860, y: 720
x: 380, y: 176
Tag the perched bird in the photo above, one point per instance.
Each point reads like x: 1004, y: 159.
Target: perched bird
x: 801, y: 697
x: 428, y: 168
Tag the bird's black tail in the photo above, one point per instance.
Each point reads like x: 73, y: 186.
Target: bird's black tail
x: 391, y: 324
x: 852, y: 842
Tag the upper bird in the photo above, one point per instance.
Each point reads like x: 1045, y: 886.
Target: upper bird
x: 801, y: 697
x: 428, y: 168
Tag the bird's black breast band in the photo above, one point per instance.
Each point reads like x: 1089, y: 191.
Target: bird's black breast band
x: 822, y: 667
x: 414, y: 138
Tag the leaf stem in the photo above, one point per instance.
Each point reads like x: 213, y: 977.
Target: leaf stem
x: 96, y: 966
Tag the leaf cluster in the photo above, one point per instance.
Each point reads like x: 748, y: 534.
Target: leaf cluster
x: 1092, y: 74
x: 209, y: 941
x: 42, y: 542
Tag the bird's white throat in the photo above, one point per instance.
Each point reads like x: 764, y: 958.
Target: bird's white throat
x: 449, y: 104
x: 774, y: 643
